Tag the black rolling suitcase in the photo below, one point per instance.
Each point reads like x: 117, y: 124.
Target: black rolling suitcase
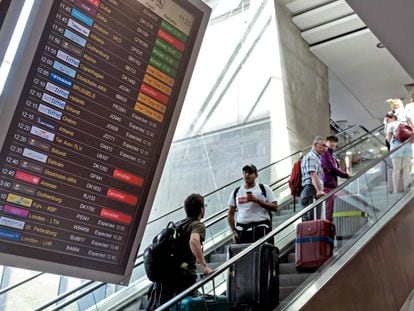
x: 253, y: 282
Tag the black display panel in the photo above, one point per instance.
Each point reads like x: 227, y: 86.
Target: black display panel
x: 4, y: 7
x: 89, y: 129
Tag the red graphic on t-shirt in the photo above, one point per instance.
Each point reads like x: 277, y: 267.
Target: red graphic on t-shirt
x: 242, y: 200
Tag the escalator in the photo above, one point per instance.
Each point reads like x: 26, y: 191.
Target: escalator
x: 215, y: 249
x: 370, y: 270
x: 361, y: 146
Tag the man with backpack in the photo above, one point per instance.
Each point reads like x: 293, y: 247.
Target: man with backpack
x: 181, y: 262
x: 254, y: 203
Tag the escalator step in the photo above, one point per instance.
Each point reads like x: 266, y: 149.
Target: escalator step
x: 285, y: 291
x: 291, y: 257
x: 286, y: 268
x: 283, y: 212
x: 293, y: 279
x: 221, y: 257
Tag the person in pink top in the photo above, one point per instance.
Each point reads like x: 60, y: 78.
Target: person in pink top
x: 331, y: 172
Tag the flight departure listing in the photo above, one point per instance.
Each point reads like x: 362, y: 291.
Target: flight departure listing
x: 84, y: 138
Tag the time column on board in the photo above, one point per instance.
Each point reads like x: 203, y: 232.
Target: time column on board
x: 159, y: 79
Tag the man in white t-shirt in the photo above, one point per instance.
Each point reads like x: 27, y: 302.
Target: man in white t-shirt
x: 253, y: 203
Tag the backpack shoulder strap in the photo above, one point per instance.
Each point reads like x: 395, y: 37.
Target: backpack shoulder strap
x: 235, y: 195
x: 263, y: 189
x: 180, y: 233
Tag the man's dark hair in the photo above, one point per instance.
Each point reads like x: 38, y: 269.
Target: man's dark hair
x: 332, y: 138
x: 193, y: 204
x: 251, y: 168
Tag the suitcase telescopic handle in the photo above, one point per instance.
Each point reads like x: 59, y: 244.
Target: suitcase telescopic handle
x: 214, y: 296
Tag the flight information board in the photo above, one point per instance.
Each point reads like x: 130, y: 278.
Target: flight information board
x: 4, y: 7
x: 85, y: 140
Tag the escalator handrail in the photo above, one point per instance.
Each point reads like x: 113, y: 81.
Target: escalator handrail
x: 340, y: 149
x: 68, y: 293
x: 225, y: 266
x: 13, y: 286
x: 209, y: 221
x: 263, y: 168
x: 212, y: 219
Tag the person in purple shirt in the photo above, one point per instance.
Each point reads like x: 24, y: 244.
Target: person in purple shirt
x: 331, y: 171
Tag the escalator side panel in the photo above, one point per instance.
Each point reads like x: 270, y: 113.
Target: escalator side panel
x: 380, y: 276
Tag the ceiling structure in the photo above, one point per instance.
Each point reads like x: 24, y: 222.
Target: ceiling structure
x: 362, y: 75
x: 392, y: 22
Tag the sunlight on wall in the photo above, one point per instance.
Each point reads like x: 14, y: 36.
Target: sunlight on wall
x: 14, y: 42
x: 234, y: 111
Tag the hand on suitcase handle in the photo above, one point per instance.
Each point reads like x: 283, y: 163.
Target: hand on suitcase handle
x: 235, y: 236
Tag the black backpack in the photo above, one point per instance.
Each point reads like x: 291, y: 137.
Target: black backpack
x: 161, y: 260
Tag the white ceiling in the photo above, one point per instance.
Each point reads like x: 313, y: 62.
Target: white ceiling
x: 333, y: 29
x: 392, y: 22
x: 300, y: 6
x: 323, y: 14
x: 362, y: 76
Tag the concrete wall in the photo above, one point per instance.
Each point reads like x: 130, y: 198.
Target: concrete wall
x: 305, y: 81
x: 203, y: 163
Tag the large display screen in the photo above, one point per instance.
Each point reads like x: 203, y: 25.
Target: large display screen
x: 4, y: 7
x: 80, y: 155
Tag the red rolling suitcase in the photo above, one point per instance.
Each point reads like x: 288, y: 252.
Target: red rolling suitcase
x: 314, y: 243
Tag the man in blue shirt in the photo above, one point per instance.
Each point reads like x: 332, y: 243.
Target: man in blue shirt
x: 312, y: 175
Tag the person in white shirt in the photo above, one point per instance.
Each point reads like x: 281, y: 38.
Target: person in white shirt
x: 253, y: 203
x: 400, y: 159
x: 398, y: 108
x: 389, y: 117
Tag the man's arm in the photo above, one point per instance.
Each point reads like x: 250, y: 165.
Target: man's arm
x: 270, y: 206
x: 230, y: 219
x: 317, y: 184
x: 389, y: 136
x: 328, y: 162
x: 338, y: 172
x: 269, y: 203
x: 390, y: 131
x: 195, y: 246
